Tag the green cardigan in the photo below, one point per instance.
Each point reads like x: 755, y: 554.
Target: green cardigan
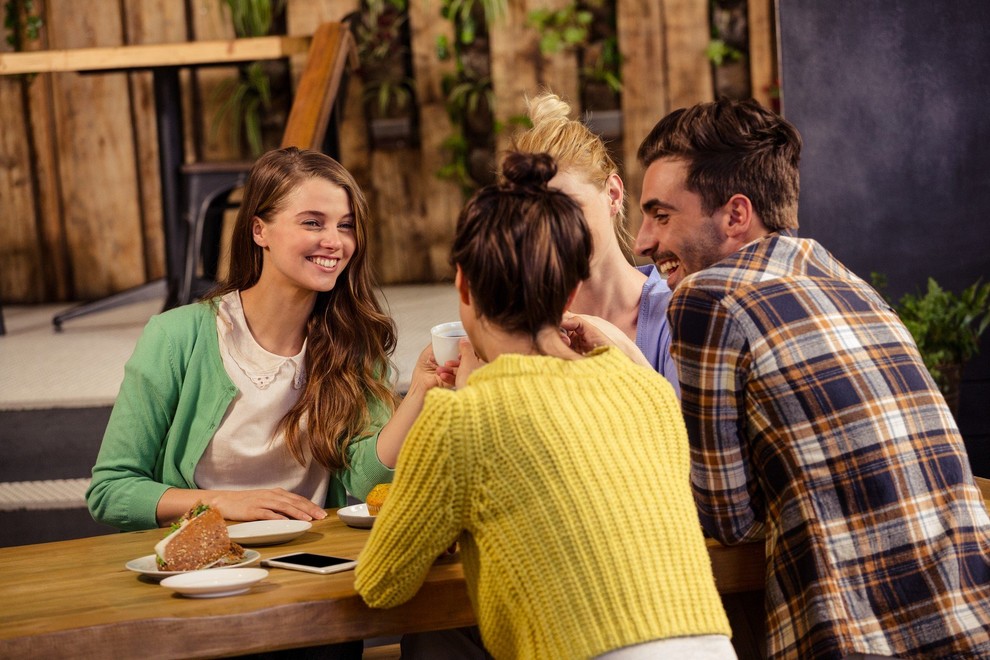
x: 173, y: 398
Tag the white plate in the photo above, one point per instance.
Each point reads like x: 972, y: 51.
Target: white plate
x: 147, y: 566
x: 357, y: 516
x: 267, y: 532
x: 214, y: 582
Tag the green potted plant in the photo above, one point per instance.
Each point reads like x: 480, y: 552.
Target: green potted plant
x: 468, y: 95
x: 21, y: 22
x: 380, y: 31
x: 947, y: 329
x: 587, y: 27
x: 249, y: 98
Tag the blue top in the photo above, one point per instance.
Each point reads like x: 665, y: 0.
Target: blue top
x: 652, y: 329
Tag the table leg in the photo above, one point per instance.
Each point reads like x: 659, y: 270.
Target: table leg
x: 168, y: 119
x: 168, y: 113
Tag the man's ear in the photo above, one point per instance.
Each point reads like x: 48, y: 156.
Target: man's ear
x: 258, y: 231
x: 463, y: 287
x: 739, y: 217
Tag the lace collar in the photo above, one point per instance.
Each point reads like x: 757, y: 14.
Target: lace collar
x: 260, y: 366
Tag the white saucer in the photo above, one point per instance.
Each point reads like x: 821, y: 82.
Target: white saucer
x: 357, y: 516
x: 267, y: 532
x: 214, y: 582
x: 147, y: 566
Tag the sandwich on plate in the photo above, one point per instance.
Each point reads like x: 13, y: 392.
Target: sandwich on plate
x: 197, y: 540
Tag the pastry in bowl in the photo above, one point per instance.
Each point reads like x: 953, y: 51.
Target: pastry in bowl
x: 197, y: 540
x: 376, y: 498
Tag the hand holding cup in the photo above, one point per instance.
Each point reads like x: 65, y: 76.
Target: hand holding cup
x: 446, y: 341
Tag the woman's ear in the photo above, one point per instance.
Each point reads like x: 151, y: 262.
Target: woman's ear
x: 463, y: 287
x: 615, y: 190
x: 258, y: 231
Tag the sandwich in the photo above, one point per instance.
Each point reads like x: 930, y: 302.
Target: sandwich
x: 197, y: 540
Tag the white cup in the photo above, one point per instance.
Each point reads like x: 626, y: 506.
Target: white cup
x: 446, y: 340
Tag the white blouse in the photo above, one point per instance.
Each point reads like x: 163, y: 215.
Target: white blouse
x: 245, y: 453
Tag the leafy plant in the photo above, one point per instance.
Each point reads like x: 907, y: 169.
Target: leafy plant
x: 574, y: 28
x: 719, y: 52
x: 467, y: 96
x: 605, y: 68
x: 21, y: 23
x: 247, y: 95
x: 388, y: 97
x: 469, y: 99
x: 253, y: 18
x: 561, y: 29
x: 380, y: 33
x: 462, y: 14
x: 945, y: 326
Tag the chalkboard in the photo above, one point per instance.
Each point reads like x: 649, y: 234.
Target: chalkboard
x: 892, y: 98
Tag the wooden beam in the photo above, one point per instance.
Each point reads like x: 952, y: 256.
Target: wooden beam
x: 228, y: 51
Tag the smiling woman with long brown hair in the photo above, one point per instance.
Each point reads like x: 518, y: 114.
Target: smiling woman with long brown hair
x: 270, y: 398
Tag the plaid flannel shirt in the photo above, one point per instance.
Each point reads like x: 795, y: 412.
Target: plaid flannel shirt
x: 814, y: 423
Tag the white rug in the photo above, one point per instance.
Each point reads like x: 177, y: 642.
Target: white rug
x: 83, y: 365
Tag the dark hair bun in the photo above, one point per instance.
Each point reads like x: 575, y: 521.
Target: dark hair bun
x: 529, y: 170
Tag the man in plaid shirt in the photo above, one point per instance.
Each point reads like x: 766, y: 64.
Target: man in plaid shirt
x: 813, y: 422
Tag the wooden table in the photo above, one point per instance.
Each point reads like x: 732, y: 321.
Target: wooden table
x: 164, y: 61
x: 76, y: 599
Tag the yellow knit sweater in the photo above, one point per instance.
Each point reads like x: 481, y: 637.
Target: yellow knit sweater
x: 567, y: 484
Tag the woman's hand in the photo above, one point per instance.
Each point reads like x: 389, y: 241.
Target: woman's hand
x: 581, y: 334
x: 585, y: 333
x: 469, y: 361
x: 265, y: 504
x: 427, y: 374
x: 258, y: 504
x: 455, y: 372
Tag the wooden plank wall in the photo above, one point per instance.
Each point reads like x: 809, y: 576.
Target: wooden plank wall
x: 80, y: 215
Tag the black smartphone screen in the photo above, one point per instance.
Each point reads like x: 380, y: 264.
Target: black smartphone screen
x: 310, y: 559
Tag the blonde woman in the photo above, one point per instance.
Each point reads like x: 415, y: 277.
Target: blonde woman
x: 632, y: 299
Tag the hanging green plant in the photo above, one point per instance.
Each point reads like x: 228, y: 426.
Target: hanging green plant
x: 719, y: 52
x: 249, y: 95
x: 379, y: 29
x: 468, y: 94
x: 21, y: 23
x: 586, y: 27
x: 560, y: 29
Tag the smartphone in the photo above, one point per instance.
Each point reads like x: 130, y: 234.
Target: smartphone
x: 311, y: 563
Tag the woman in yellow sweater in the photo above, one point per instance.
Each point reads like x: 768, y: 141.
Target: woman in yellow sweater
x: 563, y: 476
